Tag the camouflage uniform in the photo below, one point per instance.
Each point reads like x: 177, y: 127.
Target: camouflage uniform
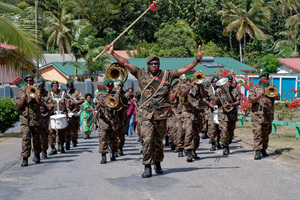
x: 153, y: 113
x: 30, y: 124
x: 213, y: 129
x: 73, y: 127
x: 136, y: 98
x: 57, y: 135
x: 109, y: 123
x: 45, y: 120
x: 123, y: 119
x: 261, y: 120
x: 228, y: 119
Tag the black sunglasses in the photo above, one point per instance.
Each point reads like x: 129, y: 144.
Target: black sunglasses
x: 29, y: 80
x: 153, y: 64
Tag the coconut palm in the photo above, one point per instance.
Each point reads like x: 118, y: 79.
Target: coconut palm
x: 60, y: 28
x: 247, y: 21
x: 24, y: 47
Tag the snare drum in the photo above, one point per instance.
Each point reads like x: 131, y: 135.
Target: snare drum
x: 58, y: 121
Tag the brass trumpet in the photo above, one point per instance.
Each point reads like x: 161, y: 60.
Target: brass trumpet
x: 31, y: 91
x: 199, y: 77
x: 271, y: 91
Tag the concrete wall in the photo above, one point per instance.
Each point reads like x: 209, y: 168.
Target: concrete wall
x: 85, y: 87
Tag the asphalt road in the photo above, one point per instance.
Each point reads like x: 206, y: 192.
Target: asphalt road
x: 78, y: 174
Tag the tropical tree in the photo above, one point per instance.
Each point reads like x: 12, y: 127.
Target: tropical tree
x: 59, y: 27
x: 250, y: 20
x: 14, y: 31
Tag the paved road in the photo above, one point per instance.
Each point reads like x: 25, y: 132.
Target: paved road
x: 78, y: 174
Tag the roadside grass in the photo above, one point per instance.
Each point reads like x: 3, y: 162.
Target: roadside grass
x: 284, y: 140
x: 7, y: 136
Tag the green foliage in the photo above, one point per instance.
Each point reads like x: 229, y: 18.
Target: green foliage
x: 174, y: 40
x: 283, y: 112
x: 8, y: 114
x: 269, y: 63
x: 212, y: 49
x: 143, y: 50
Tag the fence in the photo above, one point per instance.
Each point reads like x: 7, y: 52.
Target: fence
x: 85, y: 87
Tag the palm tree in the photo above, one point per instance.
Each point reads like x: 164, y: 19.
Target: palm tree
x: 25, y: 48
x: 251, y: 21
x: 60, y: 28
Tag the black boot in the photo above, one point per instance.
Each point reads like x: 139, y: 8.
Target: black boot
x: 112, y: 156
x: 185, y: 152
x: 62, y: 148
x: 36, y: 158
x: 103, y: 160
x: 68, y: 145
x: 121, y: 152
x: 257, y: 155
x: 218, y: 145
x: 189, y: 156
x: 24, y: 162
x: 264, y: 153
x: 158, y: 168
x: 196, y: 157
x: 213, y: 146
x: 180, y: 153
x: 204, y: 135
x: 58, y: 146
x: 74, y: 143
x: 44, y: 154
x: 225, y: 150
x: 116, y: 153
x: 173, y: 147
x: 53, y: 150
x: 167, y: 142
x: 148, y: 172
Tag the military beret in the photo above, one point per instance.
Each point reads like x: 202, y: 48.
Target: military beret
x: 264, y: 74
x: 207, y: 83
x: 153, y: 57
x: 54, y: 82
x: 70, y: 82
x: 40, y: 81
x: 229, y: 77
x: 108, y: 82
x: 213, y: 79
x: 28, y: 76
x: 175, y: 81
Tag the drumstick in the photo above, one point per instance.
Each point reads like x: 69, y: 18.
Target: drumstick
x: 94, y: 59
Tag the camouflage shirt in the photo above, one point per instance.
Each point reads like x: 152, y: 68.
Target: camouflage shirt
x: 159, y: 105
x: 76, y: 95
x: 53, y: 103
x: 212, y: 95
x: 176, y: 104
x: 30, y: 114
x: 44, y: 96
x: 107, y: 114
x: 266, y: 102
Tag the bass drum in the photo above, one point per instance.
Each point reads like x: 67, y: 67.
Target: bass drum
x: 58, y: 121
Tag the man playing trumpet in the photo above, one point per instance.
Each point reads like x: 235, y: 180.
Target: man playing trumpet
x: 30, y: 116
x: 262, y: 115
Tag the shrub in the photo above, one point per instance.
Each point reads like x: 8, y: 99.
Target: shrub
x: 9, y: 114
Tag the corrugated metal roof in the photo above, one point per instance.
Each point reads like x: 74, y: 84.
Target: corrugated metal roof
x: 168, y: 64
x: 176, y: 63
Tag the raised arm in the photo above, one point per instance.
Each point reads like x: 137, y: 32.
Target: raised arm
x: 120, y: 59
x: 191, y: 65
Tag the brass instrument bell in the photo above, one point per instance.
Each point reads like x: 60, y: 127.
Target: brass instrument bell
x: 199, y: 77
x: 31, y: 91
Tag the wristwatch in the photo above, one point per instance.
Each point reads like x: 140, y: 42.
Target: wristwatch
x: 198, y: 60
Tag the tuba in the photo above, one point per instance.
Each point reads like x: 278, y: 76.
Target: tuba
x: 271, y: 91
x: 199, y: 77
x: 224, y: 94
x: 31, y: 91
x: 116, y: 72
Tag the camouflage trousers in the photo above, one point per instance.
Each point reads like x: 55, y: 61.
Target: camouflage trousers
x: 45, y: 135
x: 138, y: 129
x: 72, y: 129
x: 261, y: 130
x: 121, y: 136
x: 174, y: 125
x: 198, y: 128
x: 57, y: 136
x: 107, y: 136
x: 205, y: 121
x: 29, y: 132
x: 185, y: 138
x: 213, y: 129
x: 152, y: 134
x: 226, y: 127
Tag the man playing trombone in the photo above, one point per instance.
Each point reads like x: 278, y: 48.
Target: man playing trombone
x: 262, y: 114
